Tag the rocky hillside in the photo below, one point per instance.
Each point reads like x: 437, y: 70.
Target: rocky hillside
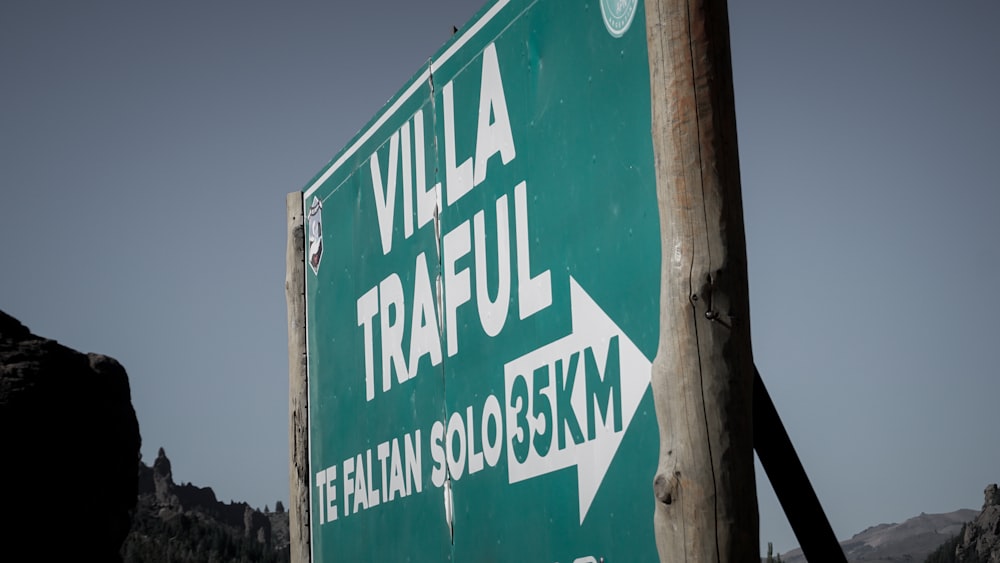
x: 912, y: 540
x: 980, y: 540
x: 69, y: 479
x: 69, y: 441
x: 186, y: 523
x: 963, y: 536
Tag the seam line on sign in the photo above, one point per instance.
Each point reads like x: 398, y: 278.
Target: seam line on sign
x: 449, y: 508
x: 407, y: 94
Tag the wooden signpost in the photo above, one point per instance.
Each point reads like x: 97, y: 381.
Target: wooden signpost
x: 703, y: 372
x: 298, y: 428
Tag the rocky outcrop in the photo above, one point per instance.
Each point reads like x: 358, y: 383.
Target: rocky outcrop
x: 163, y: 479
x: 181, y: 523
x: 256, y: 525
x: 279, y: 527
x: 68, y: 448
x: 980, y: 541
x: 166, y: 499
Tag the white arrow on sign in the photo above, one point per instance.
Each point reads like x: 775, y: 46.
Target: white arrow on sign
x: 540, y: 439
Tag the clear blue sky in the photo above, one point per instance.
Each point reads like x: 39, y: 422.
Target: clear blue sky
x: 146, y: 149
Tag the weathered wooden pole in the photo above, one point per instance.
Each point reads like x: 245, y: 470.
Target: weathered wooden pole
x: 298, y: 422
x: 702, y: 375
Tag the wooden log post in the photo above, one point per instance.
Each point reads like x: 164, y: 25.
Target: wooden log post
x: 298, y: 422
x: 702, y: 376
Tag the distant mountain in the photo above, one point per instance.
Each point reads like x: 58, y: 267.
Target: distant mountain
x: 912, y: 540
x: 186, y: 523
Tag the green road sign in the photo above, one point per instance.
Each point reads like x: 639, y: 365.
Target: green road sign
x: 482, y: 302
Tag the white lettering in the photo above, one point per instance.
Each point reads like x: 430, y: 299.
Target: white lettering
x: 427, y: 200
x: 493, y: 314
x: 360, y: 487
x: 331, y: 494
x: 373, y: 499
x: 491, y: 449
x: 348, y: 484
x: 383, y: 455
x: 396, y: 484
x: 475, y: 458
x: 496, y: 137
x: 416, y: 479
x: 388, y: 302
x: 456, y: 283
x: 534, y: 294
x: 456, y: 436
x: 424, y: 335
x: 404, y: 133
x: 367, y: 307
x: 438, y: 472
x: 391, y: 313
x: 461, y: 436
x: 385, y: 193
x: 321, y: 486
x: 458, y: 179
x: 368, y: 483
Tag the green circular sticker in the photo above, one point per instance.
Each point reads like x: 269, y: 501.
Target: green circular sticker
x: 618, y: 15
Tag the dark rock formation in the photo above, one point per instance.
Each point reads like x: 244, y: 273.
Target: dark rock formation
x: 163, y: 477
x: 279, y: 529
x: 186, y: 523
x: 166, y: 499
x: 68, y: 448
x: 256, y: 525
x: 980, y: 541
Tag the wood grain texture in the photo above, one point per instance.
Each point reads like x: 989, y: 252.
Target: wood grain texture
x: 298, y: 422
x: 702, y: 377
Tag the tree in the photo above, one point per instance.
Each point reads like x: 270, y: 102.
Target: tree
x: 945, y: 553
x: 770, y: 556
